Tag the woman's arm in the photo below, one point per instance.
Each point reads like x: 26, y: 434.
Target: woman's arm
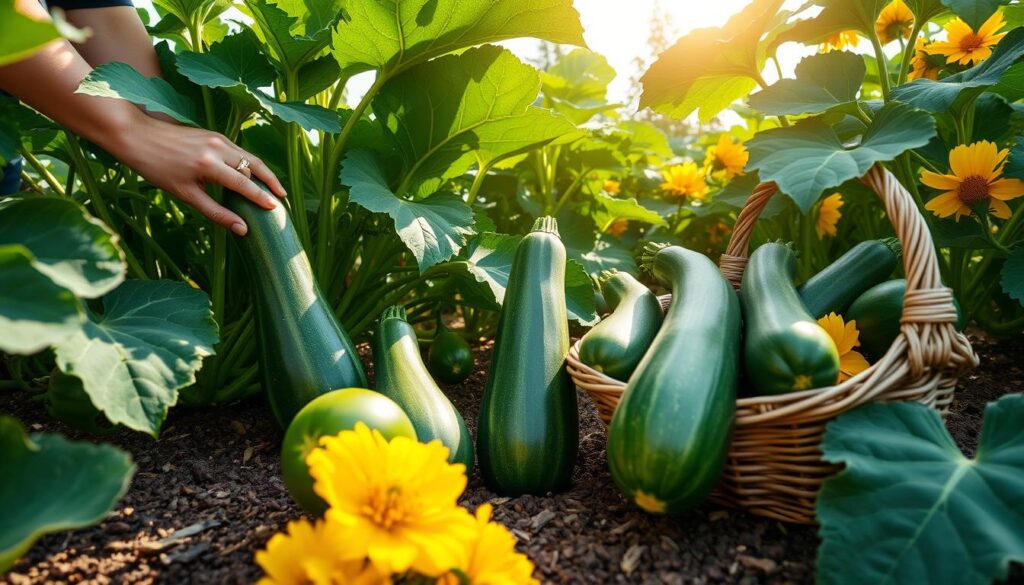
x: 117, y: 35
x: 179, y: 159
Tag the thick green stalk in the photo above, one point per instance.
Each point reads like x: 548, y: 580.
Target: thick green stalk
x: 150, y: 244
x: 295, y: 194
x: 883, y: 64
x: 478, y: 181
x: 569, y: 192
x: 910, y: 50
x: 25, y: 177
x: 43, y: 171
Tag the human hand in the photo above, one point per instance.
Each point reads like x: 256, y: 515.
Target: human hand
x: 182, y: 160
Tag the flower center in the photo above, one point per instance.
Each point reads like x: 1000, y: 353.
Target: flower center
x: 385, y: 507
x: 970, y: 42
x: 972, y: 190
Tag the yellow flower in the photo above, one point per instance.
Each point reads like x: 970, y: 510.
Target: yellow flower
x: 491, y: 559
x: 845, y: 336
x: 925, y: 65
x: 964, y: 45
x: 828, y: 215
x: 686, y: 180
x: 840, y: 41
x: 977, y: 177
x: 309, y: 554
x: 894, y: 21
x: 393, y: 502
x: 618, y: 227
x: 727, y: 158
x: 611, y: 186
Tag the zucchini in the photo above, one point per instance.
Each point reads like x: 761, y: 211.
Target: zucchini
x: 304, y: 352
x: 450, y: 358
x: 878, y: 313
x: 785, y: 349
x: 669, y: 436
x: 402, y: 376
x: 863, y: 266
x: 616, y: 344
x: 529, y: 423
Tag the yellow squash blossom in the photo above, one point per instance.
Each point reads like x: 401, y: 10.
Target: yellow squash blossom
x: 611, y: 187
x: 895, y: 20
x: 618, y: 227
x: 846, y: 337
x: 828, y: 215
x: 726, y: 159
x: 965, y: 46
x: 491, y: 559
x: 685, y: 180
x: 309, y: 554
x: 925, y: 65
x: 840, y: 40
x: 977, y: 178
x: 394, y: 502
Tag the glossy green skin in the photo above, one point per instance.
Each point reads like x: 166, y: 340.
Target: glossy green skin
x: 669, y: 436
x: 450, y: 358
x: 328, y: 415
x: 878, y: 312
x: 617, y: 344
x: 785, y: 350
x: 304, y: 352
x: 835, y: 288
x: 402, y: 376
x: 529, y: 428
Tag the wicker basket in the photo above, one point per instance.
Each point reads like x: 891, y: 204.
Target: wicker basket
x: 774, y: 467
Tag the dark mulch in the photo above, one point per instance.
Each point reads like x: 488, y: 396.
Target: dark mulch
x: 214, y: 474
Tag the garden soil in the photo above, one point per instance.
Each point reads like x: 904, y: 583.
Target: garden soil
x: 208, y: 495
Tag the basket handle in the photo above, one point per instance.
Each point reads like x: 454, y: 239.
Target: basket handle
x: 929, y: 315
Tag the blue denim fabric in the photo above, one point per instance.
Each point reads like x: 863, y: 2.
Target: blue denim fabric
x: 10, y: 177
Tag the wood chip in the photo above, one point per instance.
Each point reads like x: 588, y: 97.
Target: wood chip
x: 238, y: 427
x: 623, y: 527
x: 631, y: 559
x: 498, y: 501
x: 718, y: 515
x: 542, y: 518
x: 191, y: 530
x: 765, y: 565
x: 247, y: 455
x: 185, y: 556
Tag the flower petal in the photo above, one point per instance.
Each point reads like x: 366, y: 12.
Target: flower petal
x: 999, y: 209
x: 1006, y: 189
x: 942, y: 182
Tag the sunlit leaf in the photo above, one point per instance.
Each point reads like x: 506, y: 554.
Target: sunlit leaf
x: 21, y: 36
x: 146, y: 344
x: 823, y: 82
x: 35, y: 312
x: 712, y: 67
x: 579, y: 294
x: 457, y: 110
x: 576, y: 85
x: 120, y: 80
x: 642, y: 138
x: 292, y: 35
x: 610, y: 209
x: 939, y: 96
x: 74, y: 250
x: 53, y: 484
x: 1012, y: 278
x: 909, y: 507
x: 807, y: 158
x: 836, y: 16
x: 393, y: 35
x: 434, y: 228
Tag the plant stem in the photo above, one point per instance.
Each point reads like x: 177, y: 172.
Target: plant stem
x: 151, y: 244
x: 570, y: 191
x: 32, y: 182
x: 43, y: 171
x: 883, y: 64
x: 296, y: 197
x: 910, y: 50
x: 478, y: 181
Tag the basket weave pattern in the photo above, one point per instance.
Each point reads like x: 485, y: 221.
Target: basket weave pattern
x: 774, y: 465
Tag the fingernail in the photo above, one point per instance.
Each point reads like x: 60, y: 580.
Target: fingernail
x: 239, y: 229
x: 271, y: 203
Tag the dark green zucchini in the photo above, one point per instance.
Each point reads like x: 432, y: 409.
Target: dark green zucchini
x: 304, y: 352
x: 529, y: 427
x: 878, y: 312
x: 450, y: 358
x: 616, y: 344
x: 402, y: 376
x: 785, y: 350
x: 669, y: 436
x: 863, y: 266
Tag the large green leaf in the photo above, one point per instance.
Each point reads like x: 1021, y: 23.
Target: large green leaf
x: 710, y: 68
x: 73, y: 249
x: 1011, y: 84
x: 52, y: 484
x: 294, y: 31
x: 807, y: 158
x: 1015, y: 163
x: 642, y: 138
x: 975, y: 12
x: 966, y: 233
x: 148, y: 342
x: 121, y: 80
x: 462, y: 109
x: 21, y: 36
x: 910, y: 508
x: 1012, y: 278
x: 434, y: 229
x: 823, y: 82
x: 237, y: 66
x: 609, y: 209
x: 939, y: 96
x: 580, y: 301
x: 836, y: 16
x: 35, y: 312
x: 577, y: 84
x: 393, y: 35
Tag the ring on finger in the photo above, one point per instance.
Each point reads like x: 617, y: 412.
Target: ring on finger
x: 242, y: 164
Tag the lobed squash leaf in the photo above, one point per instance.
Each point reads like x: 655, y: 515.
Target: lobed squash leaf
x: 294, y: 33
x: 577, y: 84
x: 52, y: 484
x: 121, y: 80
x: 35, y: 312
x: 1012, y: 277
x: 609, y: 209
x: 824, y: 82
x: 146, y: 344
x: 836, y: 16
x: 909, y: 507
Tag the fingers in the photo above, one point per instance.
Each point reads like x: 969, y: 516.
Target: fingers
x: 263, y: 173
x: 215, y: 212
x: 240, y: 183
